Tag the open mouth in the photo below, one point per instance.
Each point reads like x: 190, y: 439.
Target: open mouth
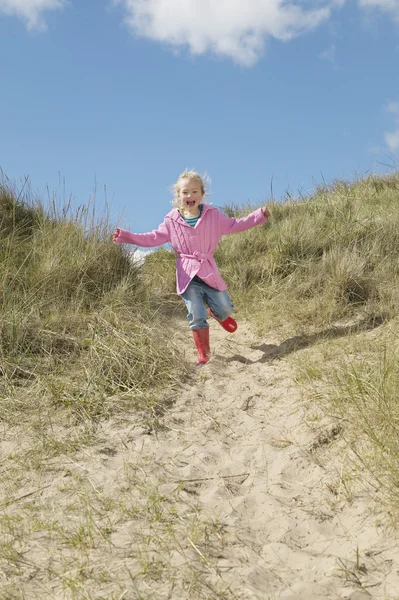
x: 190, y: 203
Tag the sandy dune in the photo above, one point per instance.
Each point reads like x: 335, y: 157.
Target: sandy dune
x: 246, y: 484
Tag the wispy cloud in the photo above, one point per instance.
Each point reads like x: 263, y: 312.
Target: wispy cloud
x: 329, y: 55
x: 392, y: 137
x: 30, y: 11
x: 388, y: 6
x: 231, y: 28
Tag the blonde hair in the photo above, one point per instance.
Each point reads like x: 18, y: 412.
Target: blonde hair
x: 203, y: 180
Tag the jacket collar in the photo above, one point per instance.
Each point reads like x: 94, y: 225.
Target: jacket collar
x: 175, y: 215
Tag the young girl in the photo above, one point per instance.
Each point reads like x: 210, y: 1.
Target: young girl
x: 193, y: 229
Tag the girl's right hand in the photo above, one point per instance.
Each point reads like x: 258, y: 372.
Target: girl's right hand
x: 116, y: 235
x: 265, y: 212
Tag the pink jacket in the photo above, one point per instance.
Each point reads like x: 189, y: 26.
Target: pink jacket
x: 194, y: 246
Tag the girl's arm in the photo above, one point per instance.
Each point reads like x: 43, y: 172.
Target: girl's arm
x: 233, y: 225
x: 146, y: 240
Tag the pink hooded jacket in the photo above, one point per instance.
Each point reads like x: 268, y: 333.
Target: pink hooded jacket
x: 194, y: 246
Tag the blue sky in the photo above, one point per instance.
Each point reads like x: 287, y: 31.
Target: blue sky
x: 259, y: 94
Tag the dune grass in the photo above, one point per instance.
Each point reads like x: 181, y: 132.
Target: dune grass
x: 76, y: 327
x: 327, y: 257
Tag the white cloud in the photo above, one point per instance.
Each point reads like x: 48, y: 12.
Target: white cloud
x: 233, y: 28
x: 30, y: 11
x: 392, y: 137
x: 138, y: 255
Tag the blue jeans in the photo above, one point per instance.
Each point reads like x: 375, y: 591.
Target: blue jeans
x: 197, y: 295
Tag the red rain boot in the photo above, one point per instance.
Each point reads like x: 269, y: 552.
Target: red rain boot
x: 228, y: 324
x: 201, y: 339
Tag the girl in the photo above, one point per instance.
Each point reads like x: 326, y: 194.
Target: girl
x: 193, y: 229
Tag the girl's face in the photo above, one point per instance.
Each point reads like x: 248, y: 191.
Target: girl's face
x: 190, y: 194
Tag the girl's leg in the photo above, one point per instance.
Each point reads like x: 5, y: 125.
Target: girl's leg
x: 197, y: 314
x: 219, y: 303
x: 196, y: 310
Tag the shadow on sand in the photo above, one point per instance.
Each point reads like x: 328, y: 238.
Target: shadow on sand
x: 298, y: 342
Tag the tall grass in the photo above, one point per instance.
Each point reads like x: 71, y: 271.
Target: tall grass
x: 75, y: 323
x: 327, y: 257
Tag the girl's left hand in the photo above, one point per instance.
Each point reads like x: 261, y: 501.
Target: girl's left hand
x: 265, y: 212
x: 116, y: 235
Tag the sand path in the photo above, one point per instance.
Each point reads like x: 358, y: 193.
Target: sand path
x: 246, y: 494
x: 239, y: 443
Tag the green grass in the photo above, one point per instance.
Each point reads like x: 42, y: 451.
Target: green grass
x: 76, y: 328
x: 326, y: 257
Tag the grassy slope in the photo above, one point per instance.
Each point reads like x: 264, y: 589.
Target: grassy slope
x: 76, y: 328
x: 330, y: 256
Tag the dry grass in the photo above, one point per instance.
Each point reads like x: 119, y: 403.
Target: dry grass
x: 331, y: 256
x: 76, y: 328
